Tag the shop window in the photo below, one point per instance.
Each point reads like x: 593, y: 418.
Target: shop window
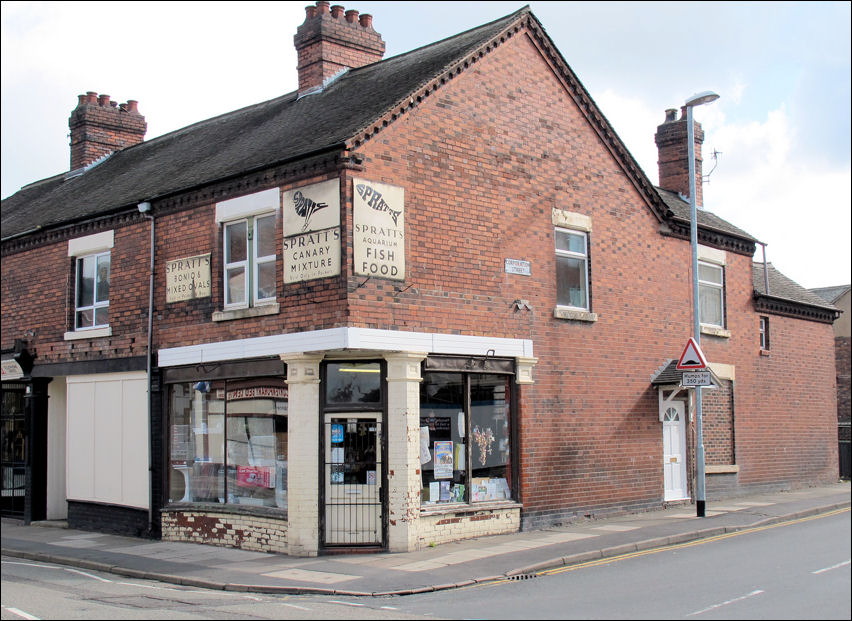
x: 465, y: 437
x: 353, y: 383
x: 249, y: 262
x: 711, y: 294
x: 92, y: 291
x: 228, y: 442
x: 572, y: 269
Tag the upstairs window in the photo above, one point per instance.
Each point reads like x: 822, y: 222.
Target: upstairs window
x: 92, y: 291
x: 572, y: 269
x: 249, y: 261
x: 764, y: 333
x: 711, y: 294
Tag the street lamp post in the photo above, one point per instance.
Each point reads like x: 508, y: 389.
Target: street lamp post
x: 696, y: 100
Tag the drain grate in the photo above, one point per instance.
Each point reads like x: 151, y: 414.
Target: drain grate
x: 523, y: 576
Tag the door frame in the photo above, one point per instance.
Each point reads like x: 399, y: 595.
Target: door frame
x: 682, y: 424
x: 380, y: 411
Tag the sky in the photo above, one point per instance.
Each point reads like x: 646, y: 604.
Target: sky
x: 781, y: 127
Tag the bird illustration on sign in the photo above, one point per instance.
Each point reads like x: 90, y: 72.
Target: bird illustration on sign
x: 305, y: 207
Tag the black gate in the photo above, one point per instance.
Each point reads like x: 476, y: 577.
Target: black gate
x: 13, y: 451
x: 353, y: 484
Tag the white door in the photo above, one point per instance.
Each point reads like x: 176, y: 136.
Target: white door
x: 674, y: 451
x: 353, y: 479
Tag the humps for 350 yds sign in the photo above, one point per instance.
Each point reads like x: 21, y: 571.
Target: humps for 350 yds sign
x: 379, y: 230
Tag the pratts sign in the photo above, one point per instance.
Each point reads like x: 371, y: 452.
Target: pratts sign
x: 379, y: 232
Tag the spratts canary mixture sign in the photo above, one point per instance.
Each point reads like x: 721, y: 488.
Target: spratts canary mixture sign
x: 312, y: 231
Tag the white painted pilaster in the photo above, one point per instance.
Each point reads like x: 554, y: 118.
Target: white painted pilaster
x: 404, y: 481
x: 303, y: 383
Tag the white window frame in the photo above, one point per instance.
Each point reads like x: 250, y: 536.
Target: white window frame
x: 763, y: 327
x: 584, y: 256
x: 95, y: 305
x: 250, y: 265
x: 720, y: 286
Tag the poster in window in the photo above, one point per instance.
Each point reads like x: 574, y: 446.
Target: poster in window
x: 336, y: 434
x: 443, y: 460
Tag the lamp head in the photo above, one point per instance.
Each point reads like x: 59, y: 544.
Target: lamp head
x: 700, y: 99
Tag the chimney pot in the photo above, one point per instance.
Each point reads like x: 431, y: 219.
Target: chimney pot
x: 671, y: 115
x: 98, y: 131
x: 324, y: 48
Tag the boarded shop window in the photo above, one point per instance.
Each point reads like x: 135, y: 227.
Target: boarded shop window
x: 465, y: 437
x: 228, y: 442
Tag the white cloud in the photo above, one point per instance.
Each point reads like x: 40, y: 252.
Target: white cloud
x: 800, y: 211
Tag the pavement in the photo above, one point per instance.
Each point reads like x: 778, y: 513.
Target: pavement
x: 506, y: 557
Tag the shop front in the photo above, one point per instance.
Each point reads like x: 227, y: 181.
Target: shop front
x: 359, y: 445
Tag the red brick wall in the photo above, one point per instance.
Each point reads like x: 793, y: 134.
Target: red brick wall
x: 312, y: 305
x: 38, y: 296
x: 718, y: 425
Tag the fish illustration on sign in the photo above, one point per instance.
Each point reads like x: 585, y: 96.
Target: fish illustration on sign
x: 374, y: 199
x: 305, y: 207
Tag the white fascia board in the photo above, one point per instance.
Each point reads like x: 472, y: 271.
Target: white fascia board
x: 249, y: 205
x: 335, y: 339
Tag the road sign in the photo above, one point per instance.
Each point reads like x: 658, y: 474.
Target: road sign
x: 696, y: 378
x: 692, y: 357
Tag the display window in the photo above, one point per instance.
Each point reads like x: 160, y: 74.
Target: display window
x: 465, y: 437
x: 228, y: 442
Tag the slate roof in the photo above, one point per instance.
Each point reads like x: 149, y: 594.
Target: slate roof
x: 274, y: 132
x: 830, y: 294
x: 783, y: 288
x: 679, y: 209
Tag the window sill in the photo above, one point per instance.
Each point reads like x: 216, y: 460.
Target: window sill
x: 463, y: 508
x: 563, y: 312
x: 246, y: 313
x: 716, y: 331
x: 722, y: 469
x: 765, y: 352
x: 229, y: 509
x: 88, y: 334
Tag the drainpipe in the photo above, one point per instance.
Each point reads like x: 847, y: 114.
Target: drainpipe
x: 765, y: 270
x: 144, y: 209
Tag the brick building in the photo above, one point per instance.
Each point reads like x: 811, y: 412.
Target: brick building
x: 419, y: 299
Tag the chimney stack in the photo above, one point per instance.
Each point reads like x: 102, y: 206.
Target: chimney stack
x: 331, y: 39
x: 100, y: 126
x: 673, y: 155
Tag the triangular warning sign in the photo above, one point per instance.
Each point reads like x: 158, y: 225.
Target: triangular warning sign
x: 692, y: 357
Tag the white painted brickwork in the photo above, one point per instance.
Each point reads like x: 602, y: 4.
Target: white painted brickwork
x: 246, y: 532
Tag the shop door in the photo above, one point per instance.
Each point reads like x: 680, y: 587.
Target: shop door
x: 353, y: 484
x: 674, y: 452
x: 13, y: 454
